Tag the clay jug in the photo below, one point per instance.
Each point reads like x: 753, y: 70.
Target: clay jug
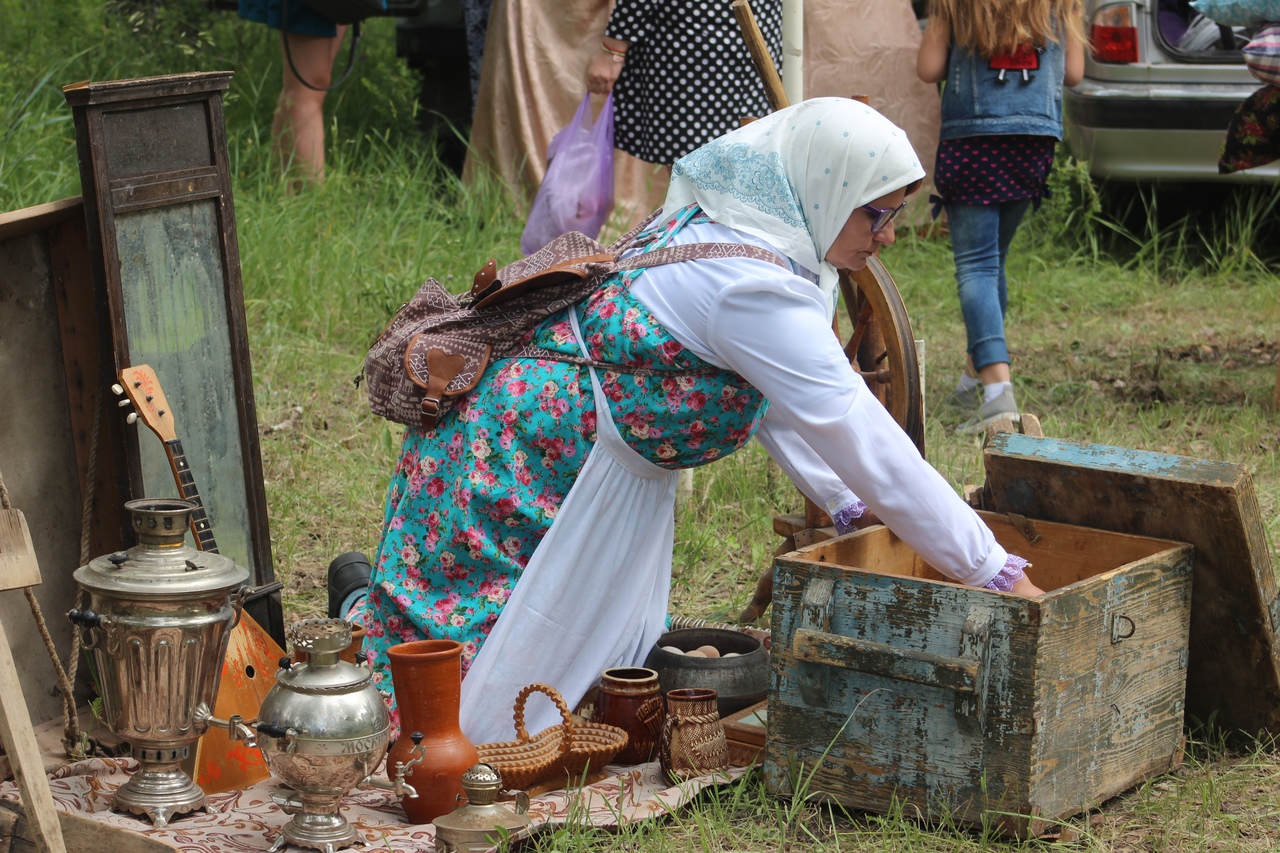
x: 427, y: 675
x: 693, y: 741
x: 631, y: 700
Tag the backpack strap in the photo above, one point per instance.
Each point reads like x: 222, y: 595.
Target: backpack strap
x: 701, y: 252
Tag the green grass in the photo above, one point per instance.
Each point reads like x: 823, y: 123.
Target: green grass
x: 1129, y: 325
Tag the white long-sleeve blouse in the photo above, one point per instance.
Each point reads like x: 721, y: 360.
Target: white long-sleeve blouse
x: 823, y: 426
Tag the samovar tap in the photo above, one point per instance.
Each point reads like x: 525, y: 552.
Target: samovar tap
x: 402, y: 788
x: 234, y: 725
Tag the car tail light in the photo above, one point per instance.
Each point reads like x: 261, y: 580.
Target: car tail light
x: 1114, y: 34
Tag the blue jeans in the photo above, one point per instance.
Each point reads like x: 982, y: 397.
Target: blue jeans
x: 980, y: 238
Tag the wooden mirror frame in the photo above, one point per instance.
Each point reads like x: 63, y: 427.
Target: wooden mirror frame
x: 161, y: 227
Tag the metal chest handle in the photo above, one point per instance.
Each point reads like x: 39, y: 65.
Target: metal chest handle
x: 966, y: 674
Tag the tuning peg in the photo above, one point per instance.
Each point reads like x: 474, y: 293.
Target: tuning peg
x: 117, y: 390
x: 132, y: 418
x: 125, y: 403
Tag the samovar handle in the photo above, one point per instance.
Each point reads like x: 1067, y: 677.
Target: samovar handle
x: 282, y: 733
x: 86, y: 620
x: 250, y: 593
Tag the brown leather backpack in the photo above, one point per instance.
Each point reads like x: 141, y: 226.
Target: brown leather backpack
x: 438, y: 345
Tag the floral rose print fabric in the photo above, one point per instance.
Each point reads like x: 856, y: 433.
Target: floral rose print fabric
x: 470, y: 500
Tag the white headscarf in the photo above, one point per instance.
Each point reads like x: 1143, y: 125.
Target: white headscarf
x: 794, y: 177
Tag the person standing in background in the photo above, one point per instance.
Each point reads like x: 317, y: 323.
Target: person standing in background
x: 681, y: 76
x: 309, y: 44
x: 1005, y: 63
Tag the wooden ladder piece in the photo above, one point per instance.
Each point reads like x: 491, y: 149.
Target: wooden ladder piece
x: 18, y: 569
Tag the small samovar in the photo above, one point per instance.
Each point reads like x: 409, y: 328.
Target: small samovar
x: 482, y: 823
x: 158, y: 622
x: 323, y: 730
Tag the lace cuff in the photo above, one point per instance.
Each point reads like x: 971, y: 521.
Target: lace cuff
x: 846, y: 516
x: 1010, y: 573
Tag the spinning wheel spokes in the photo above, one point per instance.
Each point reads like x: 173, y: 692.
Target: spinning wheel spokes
x: 881, y: 347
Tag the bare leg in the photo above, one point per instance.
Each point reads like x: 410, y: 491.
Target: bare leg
x: 993, y: 373
x: 298, y: 126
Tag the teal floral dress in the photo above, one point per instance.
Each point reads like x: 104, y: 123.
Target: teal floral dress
x: 470, y: 500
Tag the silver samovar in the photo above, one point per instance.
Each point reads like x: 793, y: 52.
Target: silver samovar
x: 158, y: 622
x: 323, y: 730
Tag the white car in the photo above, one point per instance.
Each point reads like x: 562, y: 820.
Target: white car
x: 1160, y: 86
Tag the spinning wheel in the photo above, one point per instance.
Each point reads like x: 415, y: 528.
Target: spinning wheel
x: 882, y: 346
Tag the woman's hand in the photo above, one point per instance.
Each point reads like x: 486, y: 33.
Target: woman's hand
x: 868, y: 519
x: 604, y: 69
x: 1024, y: 586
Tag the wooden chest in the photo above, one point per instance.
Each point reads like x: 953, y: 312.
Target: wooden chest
x: 891, y: 685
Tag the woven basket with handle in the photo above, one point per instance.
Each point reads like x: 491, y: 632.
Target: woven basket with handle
x: 562, y: 752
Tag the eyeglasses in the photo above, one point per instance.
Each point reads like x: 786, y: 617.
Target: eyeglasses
x: 882, y: 216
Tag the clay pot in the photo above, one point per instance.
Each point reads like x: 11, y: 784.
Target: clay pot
x: 351, y: 653
x: 740, y: 681
x: 693, y: 742
x: 427, y: 675
x: 631, y: 700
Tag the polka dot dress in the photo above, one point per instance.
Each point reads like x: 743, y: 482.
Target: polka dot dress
x: 688, y: 77
x: 993, y: 169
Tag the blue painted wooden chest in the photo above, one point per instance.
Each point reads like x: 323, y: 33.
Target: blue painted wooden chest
x: 891, y: 685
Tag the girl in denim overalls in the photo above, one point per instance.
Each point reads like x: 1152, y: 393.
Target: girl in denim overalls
x: 1005, y: 63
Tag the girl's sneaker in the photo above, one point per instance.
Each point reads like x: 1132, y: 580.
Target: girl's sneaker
x: 965, y: 401
x: 988, y: 413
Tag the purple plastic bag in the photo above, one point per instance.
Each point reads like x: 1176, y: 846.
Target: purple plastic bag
x: 577, y: 192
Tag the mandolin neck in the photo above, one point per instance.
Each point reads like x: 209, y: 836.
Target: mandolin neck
x: 201, y: 529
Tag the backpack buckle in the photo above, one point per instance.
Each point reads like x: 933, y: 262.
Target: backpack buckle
x: 430, y: 412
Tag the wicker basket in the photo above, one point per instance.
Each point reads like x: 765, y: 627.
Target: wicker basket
x: 563, y: 751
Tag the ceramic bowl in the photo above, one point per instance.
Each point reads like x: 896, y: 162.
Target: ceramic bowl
x: 739, y: 681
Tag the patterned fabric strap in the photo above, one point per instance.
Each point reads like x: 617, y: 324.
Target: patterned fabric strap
x: 535, y: 351
x: 846, y: 516
x: 1013, y: 570
x: 699, y: 252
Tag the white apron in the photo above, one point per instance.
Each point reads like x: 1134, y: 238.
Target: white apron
x: 594, y: 594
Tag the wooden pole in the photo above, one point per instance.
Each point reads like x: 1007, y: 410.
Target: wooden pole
x: 760, y: 55
x: 793, y: 49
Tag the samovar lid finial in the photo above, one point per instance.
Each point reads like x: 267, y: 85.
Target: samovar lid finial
x: 321, y: 636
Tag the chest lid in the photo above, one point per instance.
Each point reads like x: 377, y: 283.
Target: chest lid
x: 1233, y: 667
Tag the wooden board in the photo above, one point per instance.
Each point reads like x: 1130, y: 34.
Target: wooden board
x: 1233, y: 675
x: 82, y: 835
x: 50, y: 357
x: 18, y: 566
x: 745, y: 731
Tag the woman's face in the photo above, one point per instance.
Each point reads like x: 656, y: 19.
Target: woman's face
x: 856, y: 243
